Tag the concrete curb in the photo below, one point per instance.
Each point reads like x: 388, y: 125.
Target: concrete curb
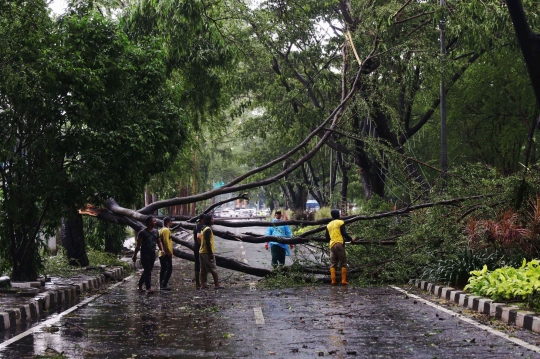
x: 51, y: 299
x: 509, y: 314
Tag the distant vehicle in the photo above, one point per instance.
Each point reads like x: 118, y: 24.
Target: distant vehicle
x: 245, y: 213
x: 225, y: 213
x: 312, y: 205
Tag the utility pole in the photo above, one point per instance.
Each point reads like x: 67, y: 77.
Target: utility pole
x: 444, y: 153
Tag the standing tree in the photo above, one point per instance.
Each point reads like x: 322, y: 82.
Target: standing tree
x: 86, y: 114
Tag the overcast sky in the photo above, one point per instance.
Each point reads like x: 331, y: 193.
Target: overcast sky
x: 58, y: 6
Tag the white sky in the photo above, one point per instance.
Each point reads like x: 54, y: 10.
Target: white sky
x: 58, y: 6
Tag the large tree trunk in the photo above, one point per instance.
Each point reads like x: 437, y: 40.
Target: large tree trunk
x: 72, y: 238
x: 529, y: 42
x: 113, y: 244
x: 26, y: 262
x: 344, y: 183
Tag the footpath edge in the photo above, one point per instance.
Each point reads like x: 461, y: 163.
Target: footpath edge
x: 50, y: 299
x: 509, y: 314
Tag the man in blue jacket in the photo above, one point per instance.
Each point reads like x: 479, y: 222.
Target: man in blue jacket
x: 278, y: 250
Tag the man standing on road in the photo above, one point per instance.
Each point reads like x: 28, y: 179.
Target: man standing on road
x: 336, y: 235
x: 206, y: 253
x: 278, y: 250
x: 196, y: 248
x: 147, y: 239
x: 166, y: 255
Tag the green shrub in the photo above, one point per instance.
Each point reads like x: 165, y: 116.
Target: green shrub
x: 286, y: 277
x: 323, y: 213
x: 508, y: 283
x: 103, y: 258
x: 457, y: 269
x: 58, y: 265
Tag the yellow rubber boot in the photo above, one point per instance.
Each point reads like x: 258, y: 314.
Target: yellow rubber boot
x: 344, y: 276
x: 333, y: 275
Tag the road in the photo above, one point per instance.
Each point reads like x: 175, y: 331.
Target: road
x: 243, y: 321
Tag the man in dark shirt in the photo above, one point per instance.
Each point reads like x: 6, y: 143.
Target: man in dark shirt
x: 147, y: 240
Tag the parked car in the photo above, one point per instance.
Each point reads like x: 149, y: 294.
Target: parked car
x: 225, y: 213
x: 245, y: 213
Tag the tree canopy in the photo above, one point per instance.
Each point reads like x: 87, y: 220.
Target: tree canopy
x: 336, y: 100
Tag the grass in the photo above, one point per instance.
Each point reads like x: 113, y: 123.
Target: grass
x: 58, y: 265
x: 286, y: 277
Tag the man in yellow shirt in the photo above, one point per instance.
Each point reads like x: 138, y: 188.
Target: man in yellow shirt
x: 165, y: 258
x: 206, y: 253
x: 336, y: 235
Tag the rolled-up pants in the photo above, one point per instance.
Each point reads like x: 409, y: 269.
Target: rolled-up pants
x: 337, y: 254
x: 207, y: 266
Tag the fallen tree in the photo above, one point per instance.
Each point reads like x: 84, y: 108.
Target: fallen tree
x: 135, y: 220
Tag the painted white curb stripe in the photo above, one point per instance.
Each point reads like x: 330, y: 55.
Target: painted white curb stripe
x: 470, y: 321
x: 56, y: 318
x: 259, y: 317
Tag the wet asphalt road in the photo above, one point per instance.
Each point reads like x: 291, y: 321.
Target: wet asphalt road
x: 242, y: 321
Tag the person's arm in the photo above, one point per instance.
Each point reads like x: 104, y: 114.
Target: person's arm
x: 207, y: 236
x: 288, y: 232
x: 137, y: 247
x: 199, y: 230
x: 269, y: 232
x: 167, y: 239
x: 327, y: 235
x: 345, y: 234
x: 159, y: 242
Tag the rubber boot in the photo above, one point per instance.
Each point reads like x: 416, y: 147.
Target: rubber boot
x: 333, y: 275
x: 344, y: 276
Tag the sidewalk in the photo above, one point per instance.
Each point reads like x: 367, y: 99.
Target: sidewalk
x: 509, y: 314
x: 26, y: 302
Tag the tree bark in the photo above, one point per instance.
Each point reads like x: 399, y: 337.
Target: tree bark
x: 529, y: 42
x: 72, y: 238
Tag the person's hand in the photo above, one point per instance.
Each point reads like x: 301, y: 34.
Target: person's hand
x: 266, y: 246
x: 353, y: 240
x: 291, y: 245
x: 134, y: 257
x: 170, y: 255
